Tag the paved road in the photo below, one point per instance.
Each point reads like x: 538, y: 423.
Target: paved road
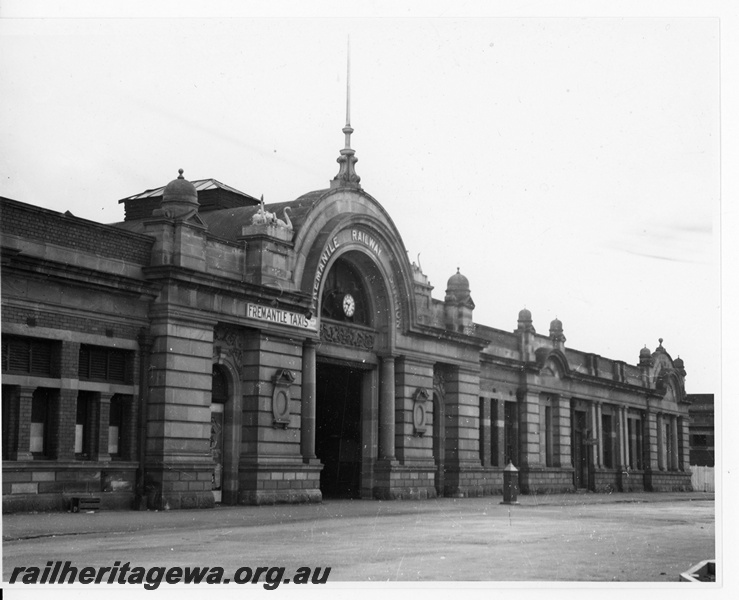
x: 572, y: 537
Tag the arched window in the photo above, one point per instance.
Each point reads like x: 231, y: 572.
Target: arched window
x: 344, y: 296
x: 220, y: 385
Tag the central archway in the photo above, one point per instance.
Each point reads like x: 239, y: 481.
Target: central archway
x: 357, y: 324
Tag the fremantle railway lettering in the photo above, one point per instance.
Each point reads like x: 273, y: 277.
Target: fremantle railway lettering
x: 327, y: 253
x: 367, y: 240
x: 356, y: 236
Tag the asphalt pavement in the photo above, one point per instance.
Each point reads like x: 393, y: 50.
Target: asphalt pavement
x: 561, y: 537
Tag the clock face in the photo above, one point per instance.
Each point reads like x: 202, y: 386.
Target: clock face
x: 348, y: 305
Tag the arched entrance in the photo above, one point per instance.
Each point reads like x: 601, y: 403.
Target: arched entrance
x: 354, y: 309
x: 438, y: 443
x: 217, y: 428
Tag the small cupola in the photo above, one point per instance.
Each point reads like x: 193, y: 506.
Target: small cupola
x: 525, y: 322
x: 458, y: 289
x: 458, y: 303
x: 645, y: 357
x: 180, y: 198
x: 556, y: 333
x: 679, y: 366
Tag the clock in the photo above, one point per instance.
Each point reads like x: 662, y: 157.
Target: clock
x: 348, y: 305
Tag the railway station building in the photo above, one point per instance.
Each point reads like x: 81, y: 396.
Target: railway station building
x: 211, y: 349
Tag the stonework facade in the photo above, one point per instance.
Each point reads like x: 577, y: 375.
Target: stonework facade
x: 211, y: 349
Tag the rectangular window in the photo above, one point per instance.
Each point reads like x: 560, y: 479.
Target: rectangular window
x: 510, y: 433
x: 639, y: 448
x: 550, y: 436
x: 98, y: 363
x: 28, y: 355
x: 545, y: 435
x: 494, y: 434
x: 635, y: 444
x: 10, y: 402
x: 115, y: 426
x: 40, y: 421
x: 700, y: 440
x: 608, y: 435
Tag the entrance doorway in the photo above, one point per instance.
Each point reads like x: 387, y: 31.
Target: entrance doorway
x: 580, y: 448
x: 438, y: 444
x: 338, y: 429
x: 218, y: 403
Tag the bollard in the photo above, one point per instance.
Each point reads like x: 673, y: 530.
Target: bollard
x: 510, y: 484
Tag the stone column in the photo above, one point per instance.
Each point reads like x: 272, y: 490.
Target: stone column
x: 622, y: 437
x: 628, y: 437
x: 599, y: 432
x: 593, y: 417
x: 101, y: 430
x: 308, y: 405
x: 387, y: 408
x: 674, y: 447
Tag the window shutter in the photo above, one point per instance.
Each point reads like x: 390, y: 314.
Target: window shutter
x: 40, y: 358
x: 117, y: 366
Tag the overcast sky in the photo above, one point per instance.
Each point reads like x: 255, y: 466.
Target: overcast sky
x: 567, y: 165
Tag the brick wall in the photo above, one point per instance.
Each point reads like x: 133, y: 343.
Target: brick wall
x: 63, y: 322
x: 48, y: 226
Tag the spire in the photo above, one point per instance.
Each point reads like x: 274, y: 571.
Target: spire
x: 346, y: 176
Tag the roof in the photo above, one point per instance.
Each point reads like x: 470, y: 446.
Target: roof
x: 226, y: 223
x: 201, y: 185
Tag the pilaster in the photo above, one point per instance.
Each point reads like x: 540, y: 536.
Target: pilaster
x: 562, y: 427
x: 179, y: 466
x: 528, y: 430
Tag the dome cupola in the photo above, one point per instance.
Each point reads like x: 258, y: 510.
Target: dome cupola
x: 180, y: 193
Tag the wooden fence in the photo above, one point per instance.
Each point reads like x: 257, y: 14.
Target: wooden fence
x: 702, y: 479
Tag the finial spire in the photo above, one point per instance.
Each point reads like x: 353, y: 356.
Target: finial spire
x: 346, y: 176
x: 348, y: 81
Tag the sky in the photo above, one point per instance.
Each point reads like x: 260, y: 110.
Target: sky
x: 567, y: 162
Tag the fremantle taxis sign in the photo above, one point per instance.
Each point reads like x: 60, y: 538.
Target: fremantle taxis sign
x: 280, y: 317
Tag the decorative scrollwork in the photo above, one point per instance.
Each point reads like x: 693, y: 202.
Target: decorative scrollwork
x: 347, y: 336
x: 228, y: 340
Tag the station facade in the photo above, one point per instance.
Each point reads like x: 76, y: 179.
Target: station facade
x: 211, y: 349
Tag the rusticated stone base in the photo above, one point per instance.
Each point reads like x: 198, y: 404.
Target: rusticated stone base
x: 403, y: 482
x: 667, y: 481
x: 631, y: 481
x: 280, y: 483
x: 546, y: 480
x: 45, y: 486
x: 268, y: 497
x: 473, y: 482
x: 607, y: 481
x: 174, y: 486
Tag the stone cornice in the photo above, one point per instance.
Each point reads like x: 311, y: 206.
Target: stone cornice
x: 45, y: 269
x: 289, y: 300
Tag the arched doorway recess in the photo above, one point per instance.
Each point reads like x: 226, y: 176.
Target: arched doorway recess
x: 356, y: 328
